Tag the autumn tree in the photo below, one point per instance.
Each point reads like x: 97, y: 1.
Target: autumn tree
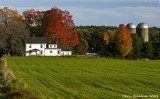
x: 33, y: 20
x: 59, y: 27
x: 12, y: 32
x: 33, y: 17
x: 106, y: 38
x: 123, y: 40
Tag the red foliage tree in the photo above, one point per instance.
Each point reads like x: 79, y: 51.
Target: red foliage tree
x: 123, y: 40
x: 59, y: 27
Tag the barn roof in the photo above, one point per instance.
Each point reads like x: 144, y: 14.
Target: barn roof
x: 36, y: 40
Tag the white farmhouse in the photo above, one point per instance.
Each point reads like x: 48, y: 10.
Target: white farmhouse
x: 38, y: 46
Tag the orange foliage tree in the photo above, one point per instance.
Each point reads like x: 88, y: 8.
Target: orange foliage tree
x: 59, y: 27
x: 33, y: 17
x: 9, y: 14
x: 106, y: 38
x: 123, y: 40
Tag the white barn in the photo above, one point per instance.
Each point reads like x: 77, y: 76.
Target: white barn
x: 38, y: 46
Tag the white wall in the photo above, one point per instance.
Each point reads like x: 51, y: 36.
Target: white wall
x: 46, y: 51
x: 54, y: 52
x: 35, y: 46
x: 66, y: 52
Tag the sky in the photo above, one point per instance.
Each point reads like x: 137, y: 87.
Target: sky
x: 97, y: 12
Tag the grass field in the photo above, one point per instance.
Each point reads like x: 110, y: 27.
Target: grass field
x: 87, y: 78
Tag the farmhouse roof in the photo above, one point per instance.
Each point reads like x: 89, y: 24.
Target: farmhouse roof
x: 36, y: 40
x: 58, y: 44
x: 67, y: 49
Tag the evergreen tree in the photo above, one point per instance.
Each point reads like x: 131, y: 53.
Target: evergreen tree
x: 148, y: 50
x: 97, y: 42
x: 137, y: 43
x: 157, y: 49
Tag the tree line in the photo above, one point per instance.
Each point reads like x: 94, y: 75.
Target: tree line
x: 104, y: 40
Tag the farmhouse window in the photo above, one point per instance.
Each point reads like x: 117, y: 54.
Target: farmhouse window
x: 54, y: 46
x: 50, y: 51
x: 50, y: 46
x: 41, y: 52
x: 41, y: 46
x: 58, y: 52
x: 30, y: 46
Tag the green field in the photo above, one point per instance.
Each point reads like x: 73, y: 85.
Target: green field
x: 87, y: 78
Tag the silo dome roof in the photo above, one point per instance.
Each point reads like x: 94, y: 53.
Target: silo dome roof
x: 142, y: 25
x: 131, y: 25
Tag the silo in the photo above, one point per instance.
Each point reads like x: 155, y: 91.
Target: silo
x: 131, y: 27
x: 142, y: 30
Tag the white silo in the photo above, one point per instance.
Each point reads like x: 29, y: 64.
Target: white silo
x: 142, y: 30
x: 131, y: 27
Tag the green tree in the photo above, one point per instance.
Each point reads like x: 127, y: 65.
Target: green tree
x: 137, y: 47
x: 36, y: 30
x: 82, y: 47
x: 111, y: 51
x: 148, y: 50
x: 97, y: 42
x: 157, y: 49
